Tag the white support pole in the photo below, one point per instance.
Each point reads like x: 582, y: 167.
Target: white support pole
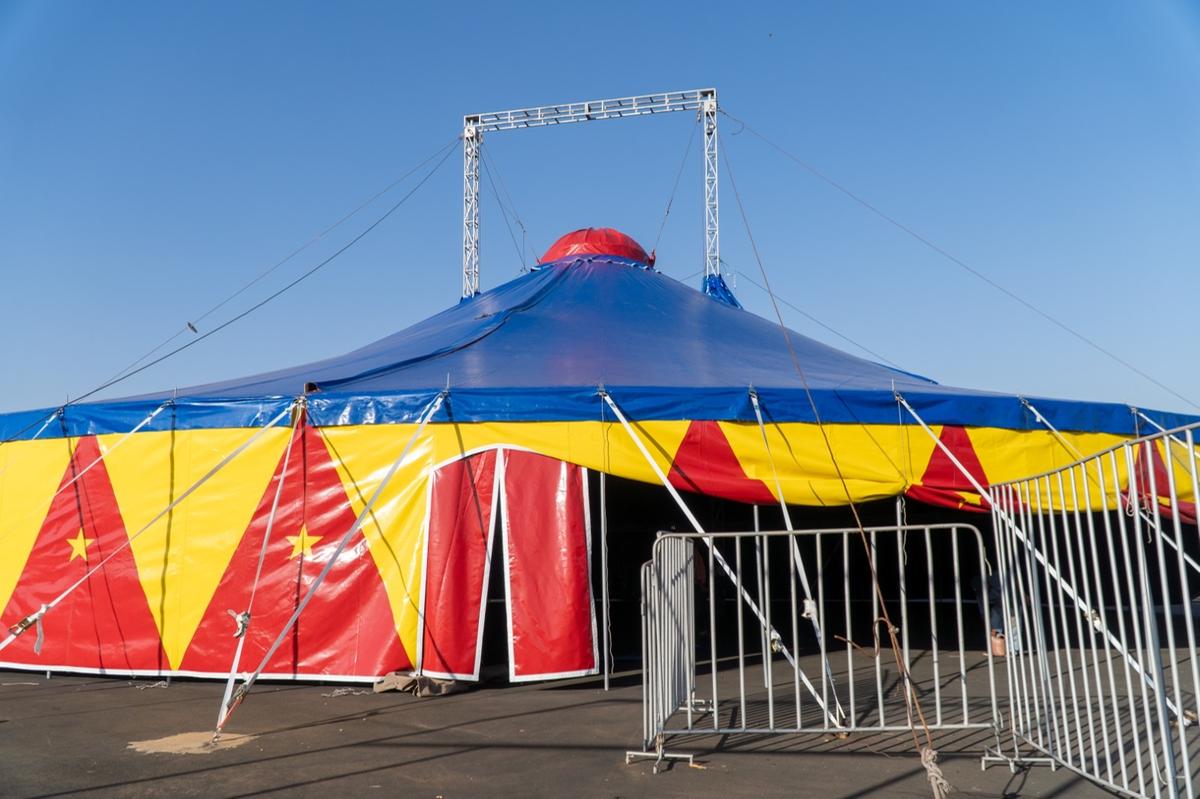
x: 1066, y: 586
x: 56, y: 415
x: 606, y: 648
x: 49, y: 419
x: 764, y: 640
x: 810, y: 609
x: 35, y: 619
x: 426, y: 415
x: 1042, y: 420
x: 75, y: 478
x: 243, y: 619
x: 1169, y: 437
x: 472, y: 139
x: 720, y: 559
x: 1080, y: 456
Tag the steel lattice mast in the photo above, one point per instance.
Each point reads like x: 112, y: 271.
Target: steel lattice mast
x: 702, y: 101
x: 471, y: 143
x: 712, y: 228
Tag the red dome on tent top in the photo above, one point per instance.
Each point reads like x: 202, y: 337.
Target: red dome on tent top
x: 595, y: 241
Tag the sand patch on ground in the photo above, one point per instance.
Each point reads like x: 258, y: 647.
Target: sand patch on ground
x: 190, y: 743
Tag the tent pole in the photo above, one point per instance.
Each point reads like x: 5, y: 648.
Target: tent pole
x: 764, y: 639
x: 983, y: 492
x: 1074, y: 452
x: 423, y: 419
x: 242, y: 620
x: 604, y: 599
x: 1169, y: 435
x: 901, y: 519
x: 78, y: 475
x: 717, y: 556
x: 1064, y: 585
x: 797, y: 560
x: 35, y: 619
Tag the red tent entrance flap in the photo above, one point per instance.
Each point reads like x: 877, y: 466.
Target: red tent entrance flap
x: 547, y: 566
x: 547, y: 546
x: 458, y: 551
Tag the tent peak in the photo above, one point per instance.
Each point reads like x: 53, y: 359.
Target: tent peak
x: 596, y: 241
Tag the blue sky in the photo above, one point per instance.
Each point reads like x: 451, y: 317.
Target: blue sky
x: 156, y: 156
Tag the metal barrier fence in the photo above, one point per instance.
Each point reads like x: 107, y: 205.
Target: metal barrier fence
x: 668, y: 630
x: 1099, y: 582
x: 738, y: 640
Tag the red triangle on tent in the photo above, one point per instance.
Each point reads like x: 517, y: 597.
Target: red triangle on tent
x: 706, y: 464
x: 106, y: 622
x: 1162, y: 485
x: 347, y: 629
x: 943, y: 483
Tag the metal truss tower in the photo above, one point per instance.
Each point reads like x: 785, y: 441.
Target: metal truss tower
x: 712, y: 228
x: 472, y: 140
x: 702, y: 101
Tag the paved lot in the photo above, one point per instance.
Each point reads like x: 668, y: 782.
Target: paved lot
x: 69, y: 736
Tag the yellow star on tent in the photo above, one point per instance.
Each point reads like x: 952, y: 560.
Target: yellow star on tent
x: 302, y: 543
x: 79, y: 546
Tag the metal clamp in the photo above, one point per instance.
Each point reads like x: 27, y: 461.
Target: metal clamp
x: 242, y: 620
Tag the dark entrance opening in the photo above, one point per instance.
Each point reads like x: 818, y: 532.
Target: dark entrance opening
x: 638, y: 511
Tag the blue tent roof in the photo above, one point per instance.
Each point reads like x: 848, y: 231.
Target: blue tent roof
x: 538, y: 347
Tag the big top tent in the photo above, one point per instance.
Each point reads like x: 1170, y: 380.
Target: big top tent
x: 148, y: 525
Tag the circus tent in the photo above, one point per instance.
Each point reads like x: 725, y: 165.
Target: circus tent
x: 137, y: 533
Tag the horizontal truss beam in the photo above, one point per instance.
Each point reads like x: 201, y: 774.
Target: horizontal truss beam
x: 589, y: 110
x: 703, y: 101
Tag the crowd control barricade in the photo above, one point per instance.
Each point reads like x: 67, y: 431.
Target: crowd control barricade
x: 783, y: 633
x: 1097, y: 562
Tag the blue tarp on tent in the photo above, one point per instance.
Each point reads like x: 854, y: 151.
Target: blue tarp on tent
x: 538, y: 347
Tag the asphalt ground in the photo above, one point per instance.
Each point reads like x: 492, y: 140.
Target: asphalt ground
x: 71, y: 736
